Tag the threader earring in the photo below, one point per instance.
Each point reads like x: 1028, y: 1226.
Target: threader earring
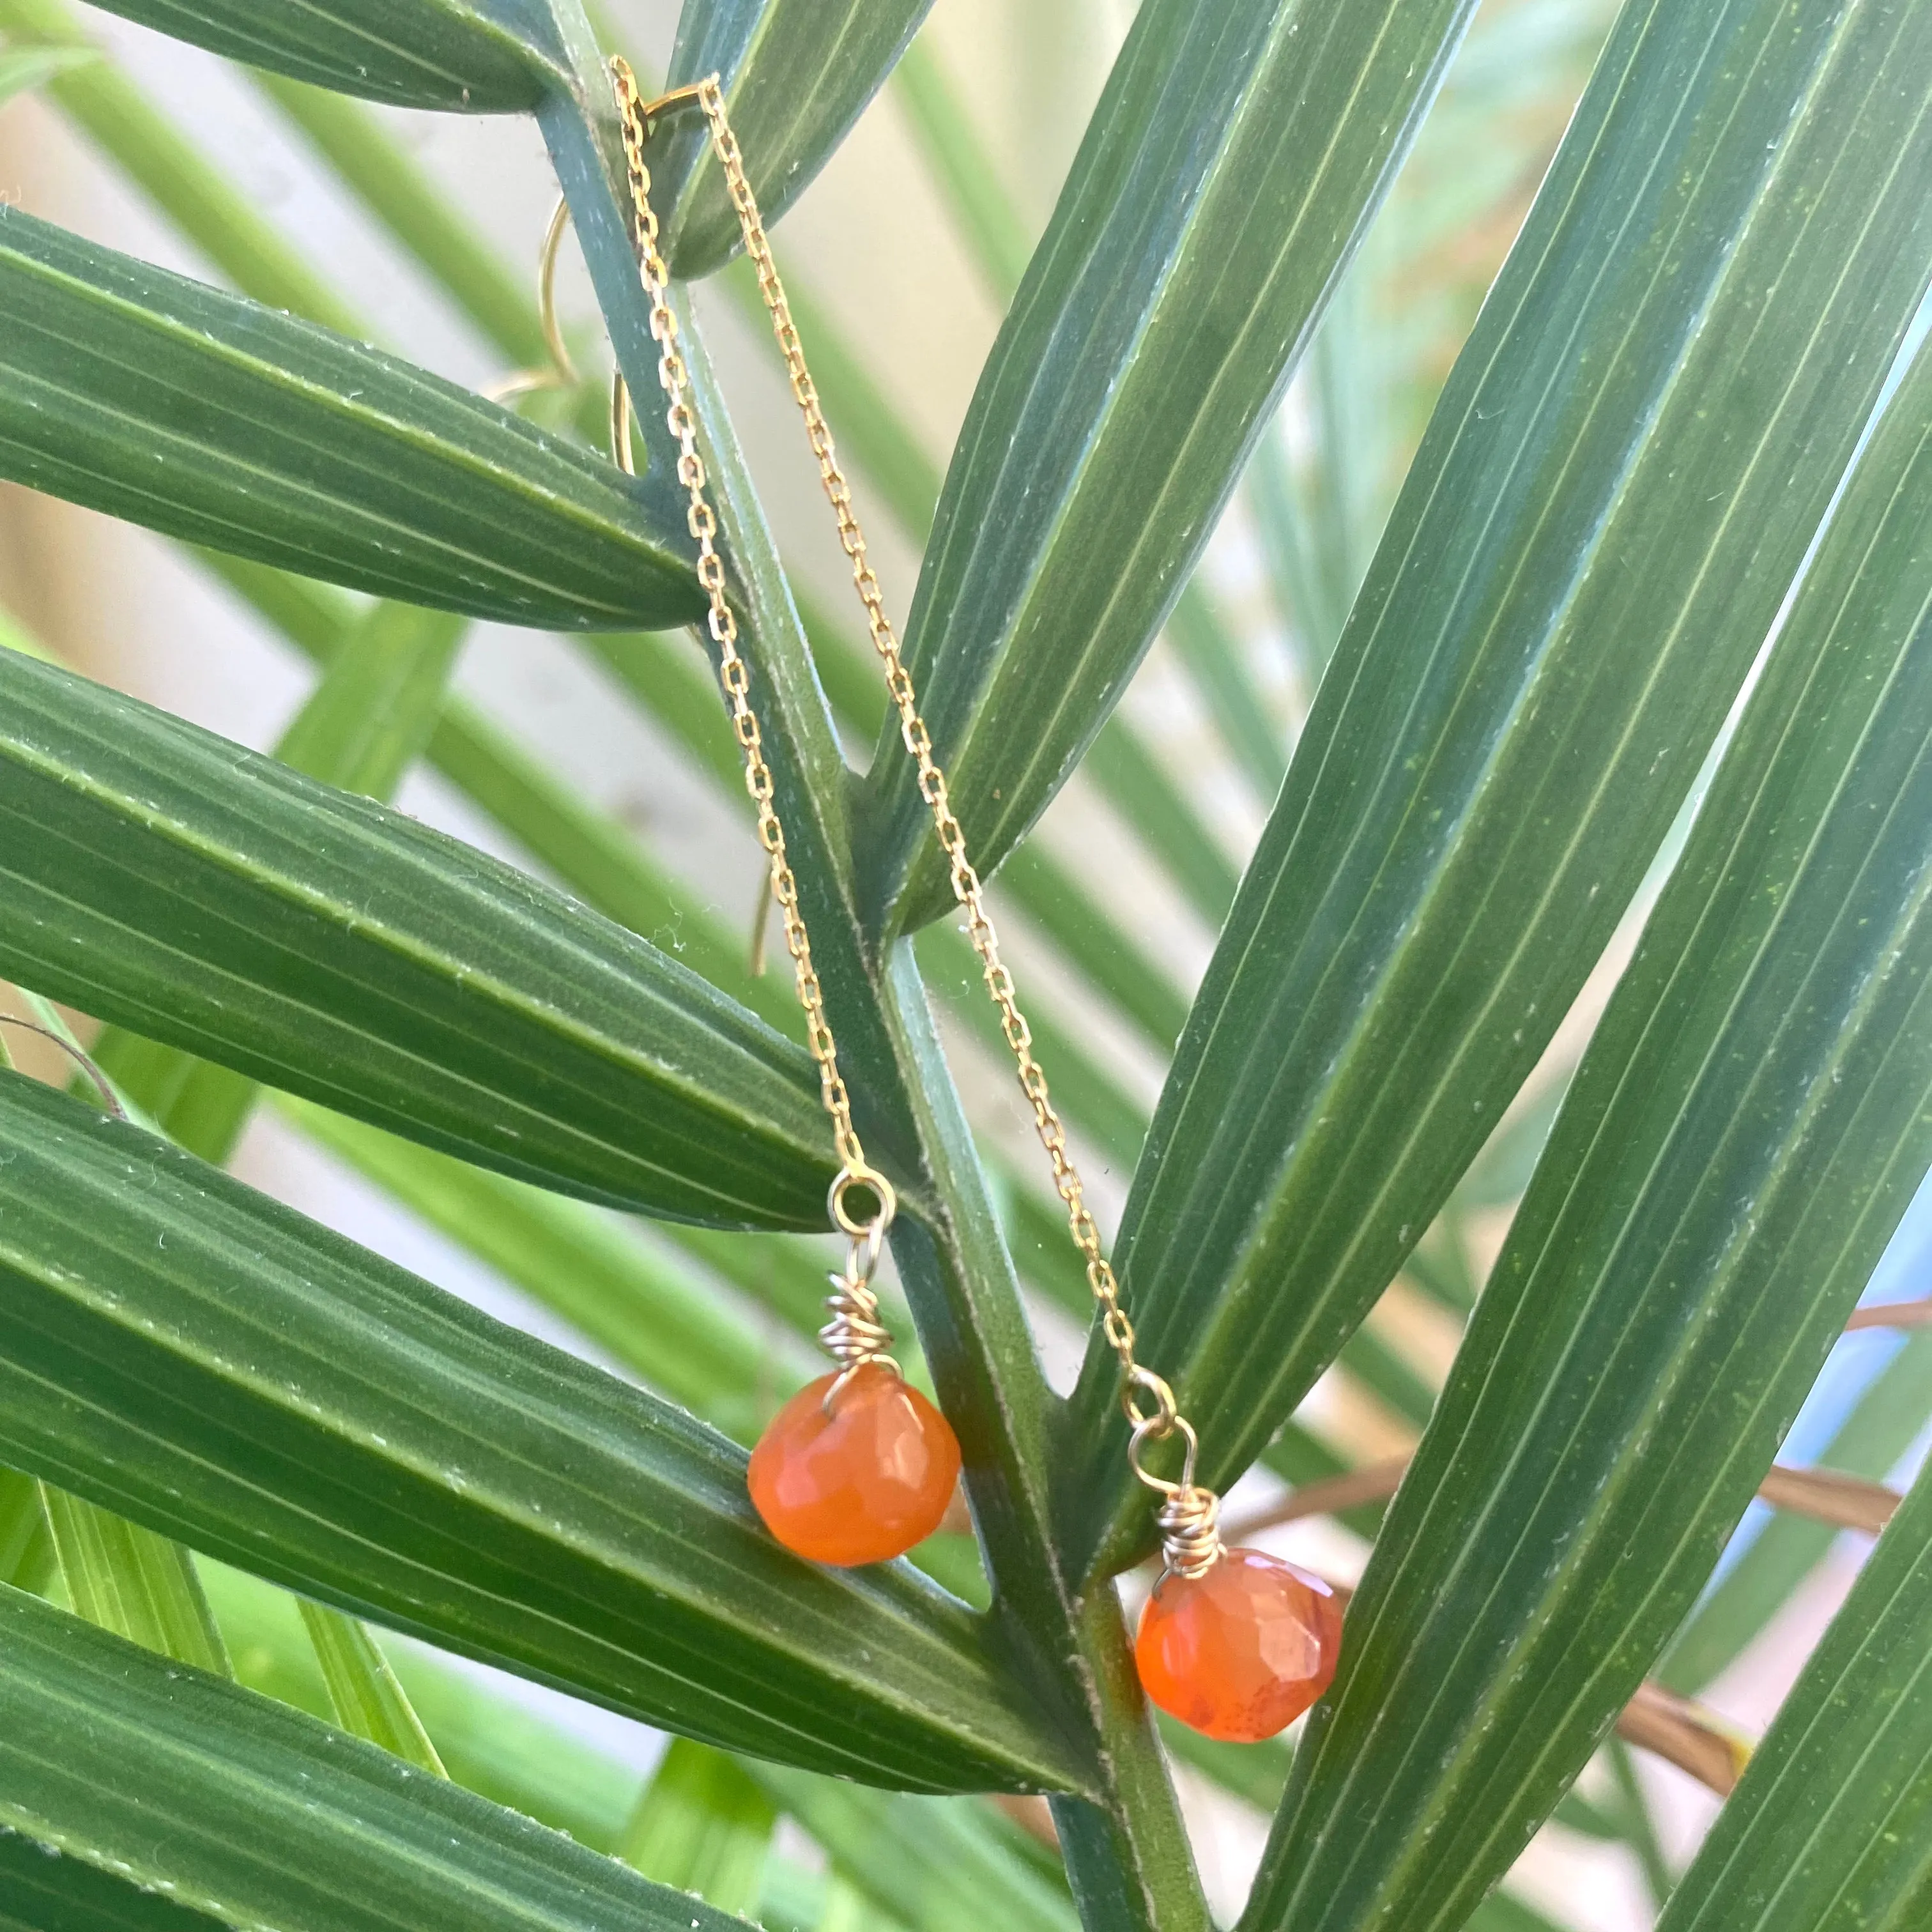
x: 859, y: 1467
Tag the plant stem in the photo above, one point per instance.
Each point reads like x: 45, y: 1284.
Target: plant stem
x: 958, y: 1275
x: 1127, y: 1858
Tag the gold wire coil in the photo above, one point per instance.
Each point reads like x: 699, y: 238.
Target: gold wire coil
x: 1190, y: 1532
x: 855, y: 1335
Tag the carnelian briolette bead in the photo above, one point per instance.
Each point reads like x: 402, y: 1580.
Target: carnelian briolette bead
x: 860, y: 1485
x: 1240, y: 1651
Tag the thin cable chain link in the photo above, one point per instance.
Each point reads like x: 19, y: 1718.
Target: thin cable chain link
x: 1164, y: 1420
x: 732, y: 673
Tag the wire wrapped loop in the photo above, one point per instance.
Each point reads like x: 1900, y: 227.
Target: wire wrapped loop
x: 1189, y: 1516
x: 856, y: 1335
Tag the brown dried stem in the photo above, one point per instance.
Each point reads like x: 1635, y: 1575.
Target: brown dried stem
x: 1846, y: 1502
x: 1684, y: 1734
x: 1891, y: 1315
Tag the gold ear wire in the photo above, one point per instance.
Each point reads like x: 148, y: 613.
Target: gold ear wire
x: 553, y: 240
x: 761, y: 920
x: 621, y: 453
x: 562, y: 373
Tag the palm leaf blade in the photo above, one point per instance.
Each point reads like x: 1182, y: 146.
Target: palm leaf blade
x: 1888, y: 1419
x: 1830, y: 1830
x: 224, y: 1801
x: 1655, y: 1321
x: 1618, y: 488
x: 474, y: 56
x: 208, y: 1363
x: 221, y: 903
x: 162, y: 401
x: 1225, y: 177
x: 796, y: 74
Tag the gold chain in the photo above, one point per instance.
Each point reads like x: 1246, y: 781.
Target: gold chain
x: 1189, y: 1514
x: 733, y: 675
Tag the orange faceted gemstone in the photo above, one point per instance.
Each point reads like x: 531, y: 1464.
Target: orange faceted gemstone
x: 1241, y: 1650
x: 862, y: 1484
